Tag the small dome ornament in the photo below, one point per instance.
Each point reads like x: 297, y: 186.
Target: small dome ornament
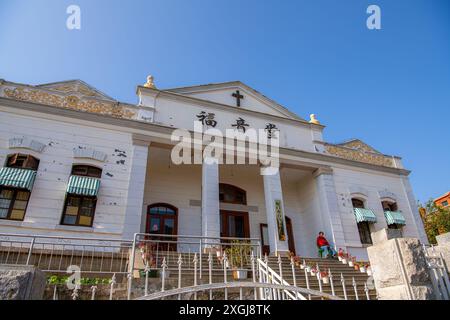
x: 149, y: 83
x: 313, y: 119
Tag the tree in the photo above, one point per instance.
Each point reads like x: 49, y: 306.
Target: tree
x: 436, y: 220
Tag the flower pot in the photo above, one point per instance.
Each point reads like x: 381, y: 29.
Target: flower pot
x: 350, y: 264
x: 362, y: 269
x: 326, y: 280
x: 369, y: 272
x: 313, y: 273
x: 356, y: 268
x: 240, y: 274
x: 302, y: 266
x: 218, y: 254
x: 344, y: 261
x: 340, y: 258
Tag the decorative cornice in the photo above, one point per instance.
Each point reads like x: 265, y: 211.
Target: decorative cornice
x: 361, y: 155
x: 357, y: 190
x: 206, y: 103
x: 26, y: 143
x: 385, y: 194
x: 89, y: 153
x: 70, y: 102
x: 130, y: 125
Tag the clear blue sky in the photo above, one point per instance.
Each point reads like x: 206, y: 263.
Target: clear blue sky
x: 390, y: 88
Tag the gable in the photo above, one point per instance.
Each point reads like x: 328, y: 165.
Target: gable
x: 358, y: 145
x: 227, y: 94
x: 75, y: 87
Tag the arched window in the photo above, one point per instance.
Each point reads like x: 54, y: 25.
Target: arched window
x: 363, y: 226
x: 15, y: 193
x: 162, y: 218
x: 357, y: 203
x: 86, y: 171
x: 22, y: 161
x: 81, y: 199
x: 231, y: 194
x: 391, y: 206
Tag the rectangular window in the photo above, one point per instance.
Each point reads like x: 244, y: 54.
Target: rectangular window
x: 445, y: 203
x: 79, y: 211
x: 364, y: 232
x: 13, y: 203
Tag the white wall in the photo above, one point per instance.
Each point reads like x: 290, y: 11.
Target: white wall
x: 181, y: 115
x: 224, y: 96
x: 47, y: 198
x: 352, y: 180
x: 175, y: 185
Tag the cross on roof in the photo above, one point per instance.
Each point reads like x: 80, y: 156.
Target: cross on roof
x: 238, y: 97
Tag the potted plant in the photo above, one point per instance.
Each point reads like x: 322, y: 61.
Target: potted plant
x: 351, y: 261
x: 344, y: 258
x: 297, y: 261
x: 325, y: 277
x: 362, y: 267
x: 356, y: 266
x: 340, y: 254
x: 313, y: 272
x: 238, y: 256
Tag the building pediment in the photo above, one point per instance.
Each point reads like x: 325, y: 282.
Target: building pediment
x: 359, y: 151
x: 75, y: 87
x: 358, y: 145
x: 237, y: 95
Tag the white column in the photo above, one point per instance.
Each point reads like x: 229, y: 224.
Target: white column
x: 329, y: 207
x: 136, y: 185
x: 210, y: 198
x: 412, y: 203
x: 272, y: 194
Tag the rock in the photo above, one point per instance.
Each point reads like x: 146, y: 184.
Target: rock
x: 443, y: 239
x: 18, y: 282
x: 400, y: 270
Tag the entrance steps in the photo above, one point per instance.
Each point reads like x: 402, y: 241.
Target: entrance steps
x: 217, y: 274
x: 335, y: 267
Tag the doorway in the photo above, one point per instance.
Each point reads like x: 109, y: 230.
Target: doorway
x: 234, y: 224
x: 162, y: 218
x: 265, y: 245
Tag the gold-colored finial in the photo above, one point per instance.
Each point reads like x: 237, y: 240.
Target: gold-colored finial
x: 149, y: 83
x: 313, y: 119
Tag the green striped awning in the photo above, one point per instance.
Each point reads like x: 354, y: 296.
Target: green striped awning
x: 17, y: 178
x: 394, y: 217
x: 85, y: 186
x: 362, y: 215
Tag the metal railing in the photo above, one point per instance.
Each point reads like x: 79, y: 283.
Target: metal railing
x: 263, y: 284
x: 268, y: 275
x: 438, y: 273
x: 166, y: 253
x: 56, y: 254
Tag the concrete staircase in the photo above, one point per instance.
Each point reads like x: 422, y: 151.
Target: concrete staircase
x: 336, y: 268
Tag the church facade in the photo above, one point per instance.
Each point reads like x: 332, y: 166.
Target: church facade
x: 76, y: 162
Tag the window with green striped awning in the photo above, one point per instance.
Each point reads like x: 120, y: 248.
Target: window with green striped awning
x: 363, y: 215
x: 17, y: 178
x: 394, y: 217
x: 85, y: 186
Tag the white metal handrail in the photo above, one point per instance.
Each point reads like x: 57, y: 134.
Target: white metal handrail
x: 269, y: 276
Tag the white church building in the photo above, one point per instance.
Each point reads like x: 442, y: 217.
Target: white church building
x: 75, y: 162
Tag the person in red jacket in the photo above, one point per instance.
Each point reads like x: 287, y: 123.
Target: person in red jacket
x: 322, y: 243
